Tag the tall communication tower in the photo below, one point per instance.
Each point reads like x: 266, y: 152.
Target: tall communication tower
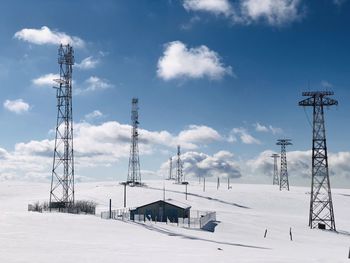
x: 179, y: 173
x: 134, y: 174
x: 62, y: 182
x: 321, y: 205
x: 284, y: 183
x: 170, y: 168
x: 275, y: 169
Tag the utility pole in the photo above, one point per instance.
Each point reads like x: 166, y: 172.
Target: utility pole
x: 62, y: 179
x: 284, y: 182
x: 134, y: 174
x: 321, y: 204
x: 275, y: 169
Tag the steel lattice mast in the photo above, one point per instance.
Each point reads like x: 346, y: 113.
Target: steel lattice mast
x: 275, y: 169
x: 321, y: 205
x: 134, y: 174
x: 284, y: 182
x: 170, y: 168
x: 62, y: 182
x: 179, y: 174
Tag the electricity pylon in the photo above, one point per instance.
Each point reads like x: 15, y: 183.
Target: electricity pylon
x: 321, y: 205
x: 284, y: 182
x: 62, y: 180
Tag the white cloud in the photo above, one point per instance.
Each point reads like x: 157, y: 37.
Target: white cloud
x: 244, y: 136
x: 87, y: 63
x: 262, y: 128
x: 100, y: 146
x: 45, y: 35
x: 275, y: 130
x: 213, y: 6
x: 91, y: 84
x: 273, y: 12
x: 197, y: 164
x: 194, y: 134
x: 94, y: 115
x: 46, y: 80
x: 178, y: 61
x: 18, y: 106
x: 95, y: 83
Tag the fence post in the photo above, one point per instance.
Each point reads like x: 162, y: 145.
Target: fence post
x: 110, y: 208
x: 290, y: 234
x: 265, y: 233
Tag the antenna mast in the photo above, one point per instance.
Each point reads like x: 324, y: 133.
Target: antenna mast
x: 179, y: 174
x: 134, y: 174
x: 170, y: 168
x: 62, y: 181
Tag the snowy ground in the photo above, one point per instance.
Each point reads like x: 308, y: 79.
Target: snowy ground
x: 244, y: 212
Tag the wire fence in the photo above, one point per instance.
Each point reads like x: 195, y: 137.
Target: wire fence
x: 198, y: 219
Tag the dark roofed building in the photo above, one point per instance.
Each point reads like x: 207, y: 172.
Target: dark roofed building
x: 162, y: 210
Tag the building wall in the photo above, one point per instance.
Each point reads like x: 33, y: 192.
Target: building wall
x: 160, y: 211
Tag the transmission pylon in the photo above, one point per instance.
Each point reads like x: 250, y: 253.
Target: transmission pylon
x: 179, y: 173
x: 275, y: 169
x: 170, y: 168
x: 134, y: 174
x: 284, y: 183
x: 321, y: 205
x: 62, y: 181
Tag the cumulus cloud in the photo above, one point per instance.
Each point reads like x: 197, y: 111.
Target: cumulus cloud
x: 18, y: 106
x: 244, y: 136
x: 273, y: 12
x: 45, y: 35
x: 92, y: 84
x: 46, y: 80
x: 194, y: 134
x: 87, y: 63
x: 95, y: 83
x: 178, y: 61
x: 198, y: 164
x: 100, y: 145
x: 263, y: 128
x: 96, y: 114
x: 213, y: 6
x: 260, y: 128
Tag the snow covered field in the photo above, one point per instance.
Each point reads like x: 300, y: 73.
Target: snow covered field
x: 243, y: 212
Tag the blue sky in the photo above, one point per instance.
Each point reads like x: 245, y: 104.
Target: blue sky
x: 222, y: 78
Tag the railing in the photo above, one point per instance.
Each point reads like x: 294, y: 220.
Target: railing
x: 208, y: 217
x: 198, y: 219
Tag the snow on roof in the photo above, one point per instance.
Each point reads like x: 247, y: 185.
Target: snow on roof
x: 177, y: 203
x: 168, y: 201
